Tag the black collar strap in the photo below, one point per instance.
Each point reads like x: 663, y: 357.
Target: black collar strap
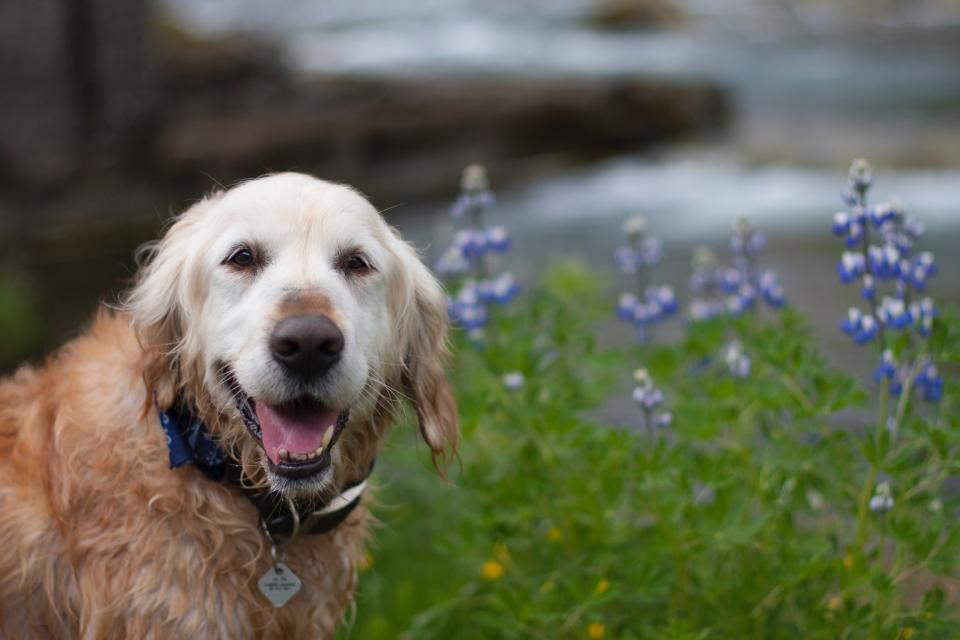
x: 280, y: 519
x: 189, y: 443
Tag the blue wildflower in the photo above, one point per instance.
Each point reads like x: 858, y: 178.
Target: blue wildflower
x: 882, y: 500
x: 627, y: 306
x: 841, y: 223
x: 772, y: 290
x: 452, y: 262
x: 475, y: 194
x: 650, y: 398
x: 854, y: 235
x: 736, y: 359
x: 860, y: 326
x: 644, y: 250
x: 869, y: 289
x: 894, y: 313
x: 706, y: 285
x: 665, y: 297
x: 930, y: 383
x: 925, y: 311
x: 498, y: 240
x: 653, y: 303
x: 850, y: 267
x: 469, y: 316
x: 471, y: 249
x: 513, y: 380
x: 887, y: 368
x: 505, y: 288
x: 852, y: 322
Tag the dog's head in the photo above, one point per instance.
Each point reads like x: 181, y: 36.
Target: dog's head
x: 290, y: 314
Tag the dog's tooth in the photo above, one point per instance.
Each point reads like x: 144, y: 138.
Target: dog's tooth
x: 318, y: 452
x: 327, y: 436
x: 283, y: 454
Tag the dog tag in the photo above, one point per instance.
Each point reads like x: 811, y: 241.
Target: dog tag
x: 279, y: 584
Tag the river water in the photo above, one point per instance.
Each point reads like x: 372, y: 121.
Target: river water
x: 814, y: 84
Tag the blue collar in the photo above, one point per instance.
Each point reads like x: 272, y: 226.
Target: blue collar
x: 189, y: 442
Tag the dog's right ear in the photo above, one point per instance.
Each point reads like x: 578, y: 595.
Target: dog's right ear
x: 159, y: 304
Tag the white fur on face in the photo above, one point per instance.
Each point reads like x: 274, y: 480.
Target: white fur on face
x: 300, y: 226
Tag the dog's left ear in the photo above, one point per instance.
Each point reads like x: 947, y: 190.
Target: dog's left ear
x: 160, y: 301
x: 423, y: 336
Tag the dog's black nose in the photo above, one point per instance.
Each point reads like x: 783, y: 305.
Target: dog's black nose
x: 306, y: 345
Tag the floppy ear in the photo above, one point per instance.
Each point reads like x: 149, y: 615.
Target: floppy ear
x: 423, y: 328
x: 159, y: 302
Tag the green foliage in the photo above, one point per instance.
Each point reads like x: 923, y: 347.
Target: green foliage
x: 747, y: 518
x: 17, y: 320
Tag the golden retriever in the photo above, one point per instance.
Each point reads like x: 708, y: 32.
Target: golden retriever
x: 287, y: 320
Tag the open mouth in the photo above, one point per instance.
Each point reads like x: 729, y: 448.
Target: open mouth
x: 297, y: 436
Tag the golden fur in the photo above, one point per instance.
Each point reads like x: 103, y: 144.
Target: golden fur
x: 99, y: 538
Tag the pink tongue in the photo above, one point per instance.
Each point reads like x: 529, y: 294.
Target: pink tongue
x: 298, y: 430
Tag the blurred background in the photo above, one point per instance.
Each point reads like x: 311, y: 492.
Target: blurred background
x: 115, y: 114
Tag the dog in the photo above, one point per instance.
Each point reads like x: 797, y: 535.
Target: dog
x: 271, y: 334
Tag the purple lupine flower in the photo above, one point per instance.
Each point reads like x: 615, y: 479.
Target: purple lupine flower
x: 869, y: 289
x: 887, y: 368
x: 771, y: 290
x: 644, y: 250
x: 867, y: 330
x: 882, y: 500
x: 652, y: 303
x: 473, y: 316
x: 920, y: 269
x: 498, y: 240
x: 854, y: 234
x: 736, y: 359
x: 665, y: 297
x: 841, y: 223
x: 745, y: 282
x: 706, y: 285
x: 452, y: 262
x: 925, y: 312
x: 894, y: 313
x: 850, y: 267
x: 505, y: 288
x: 852, y: 322
x: 702, y: 309
x: 930, y: 383
x: 913, y: 227
x: 627, y: 306
x: 513, y: 380
x: 892, y: 260
x: 475, y: 192
x: 730, y: 280
x: 650, y: 398
x: 471, y: 251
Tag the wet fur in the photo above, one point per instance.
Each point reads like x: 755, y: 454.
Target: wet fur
x: 99, y: 538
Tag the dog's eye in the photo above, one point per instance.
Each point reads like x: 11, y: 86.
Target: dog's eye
x: 242, y: 258
x: 356, y: 264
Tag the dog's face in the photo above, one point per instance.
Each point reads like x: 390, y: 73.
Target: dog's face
x: 290, y: 307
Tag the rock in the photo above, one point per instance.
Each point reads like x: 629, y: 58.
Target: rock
x: 409, y: 137
x: 634, y: 14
